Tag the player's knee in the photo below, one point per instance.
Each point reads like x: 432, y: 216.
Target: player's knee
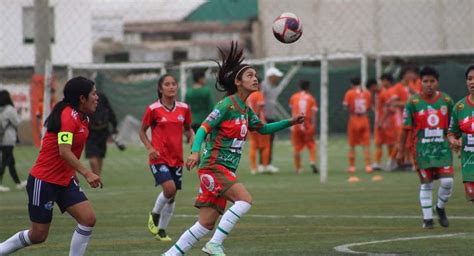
x: 169, y: 193
x: 426, y: 186
x: 88, y: 221
x: 446, y: 183
x: 246, y: 198
x: 37, y: 237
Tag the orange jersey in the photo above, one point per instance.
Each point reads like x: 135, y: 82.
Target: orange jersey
x: 400, y: 92
x: 303, y: 102
x: 256, y: 102
x: 358, y: 101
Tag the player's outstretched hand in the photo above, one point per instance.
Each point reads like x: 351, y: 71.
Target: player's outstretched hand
x: 192, y: 161
x: 93, y: 179
x: 299, y: 119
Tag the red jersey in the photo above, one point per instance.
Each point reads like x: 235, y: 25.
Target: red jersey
x: 49, y: 166
x: 166, y: 131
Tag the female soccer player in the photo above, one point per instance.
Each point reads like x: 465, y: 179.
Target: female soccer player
x: 461, y: 134
x: 227, y: 127
x: 166, y: 118
x: 52, y: 177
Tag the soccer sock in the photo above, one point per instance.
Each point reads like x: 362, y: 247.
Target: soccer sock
x: 228, y: 220
x: 444, y: 192
x: 253, y: 157
x: 16, y: 242
x: 161, y: 200
x: 79, y: 240
x: 166, y: 214
x: 426, y: 200
x: 392, y: 151
x: 265, y: 155
x: 188, y: 239
x: 378, y: 154
x: 367, y: 156
x: 351, y: 156
x: 297, y: 158
x: 312, y: 153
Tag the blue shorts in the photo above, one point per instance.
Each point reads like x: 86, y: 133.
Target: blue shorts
x: 163, y: 173
x: 42, y: 196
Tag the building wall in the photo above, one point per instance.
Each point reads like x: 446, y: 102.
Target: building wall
x: 371, y: 26
x: 72, y: 33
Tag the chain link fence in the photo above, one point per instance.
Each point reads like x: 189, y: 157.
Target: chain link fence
x: 121, y: 42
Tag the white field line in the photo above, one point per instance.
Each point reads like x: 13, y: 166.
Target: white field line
x: 345, y: 247
x: 333, y: 216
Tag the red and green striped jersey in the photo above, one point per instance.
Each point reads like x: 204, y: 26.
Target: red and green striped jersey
x: 462, y: 125
x: 227, y: 128
x: 430, y: 121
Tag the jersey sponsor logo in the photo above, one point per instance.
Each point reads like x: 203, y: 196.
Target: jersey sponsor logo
x: 433, y: 120
x: 164, y: 168
x: 49, y: 205
x: 208, y: 182
x: 65, y: 138
x: 237, y: 145
x: 215, y: 114
x: 181, y: 118
x: 433, y: 133
x: 243, y: 131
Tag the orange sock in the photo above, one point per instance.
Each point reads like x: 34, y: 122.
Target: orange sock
x: 297, y: 158
x: 253, y: 157
x: 367, y: 155
x: 378, y: 154
x: 312, y: 152
x: 352, y: 156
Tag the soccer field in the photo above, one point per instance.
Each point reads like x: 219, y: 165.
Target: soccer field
x: 291, y: 214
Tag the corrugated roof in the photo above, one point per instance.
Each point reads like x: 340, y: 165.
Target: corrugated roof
x: 225, y: 11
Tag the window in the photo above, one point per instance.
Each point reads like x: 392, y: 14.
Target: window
x: 180, y: 55
x: 29, y: 24
x: 117, y: 57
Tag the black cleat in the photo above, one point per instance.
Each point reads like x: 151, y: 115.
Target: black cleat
x: 314, y: 168
x: 443, y: 219
x: 428, y: 224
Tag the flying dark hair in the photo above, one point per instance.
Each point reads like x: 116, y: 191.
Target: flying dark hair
x: 73, y: 90
x: 429, y: 71
x: 230, y: 69
x: 387, y: 76
x: 160, y: 84
x: 5, y: 98
x: 469, y: 69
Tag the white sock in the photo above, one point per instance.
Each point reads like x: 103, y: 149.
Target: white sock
x: 166, y: 214
x: 445, y: 191
x: 79, y: 240
x: 188, y: 239
x: 16, y: 242
x: 229, y: 219
x: 161, y: 200
x: 426, y: 200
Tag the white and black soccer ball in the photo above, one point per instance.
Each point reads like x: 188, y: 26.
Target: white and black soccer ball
x: 287, y: 28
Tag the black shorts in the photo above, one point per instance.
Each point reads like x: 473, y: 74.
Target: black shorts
x: 163, y: 173
x: 96, y: 145
x: 42, y: 196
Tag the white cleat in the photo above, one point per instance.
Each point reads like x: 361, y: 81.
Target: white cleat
x: 4, y: 189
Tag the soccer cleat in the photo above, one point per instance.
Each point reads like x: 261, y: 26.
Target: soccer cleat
x: 253, y: 171
x: 213, y: 249
x: 443, y: 219
x: 272, y: 169
x: 314, y: 168
x: 153, y: 223
x: 298, y: 171
x: 21, y: 185
x: 351, y: 169
x: 162, y: 236
x: 376, y: 167
x: 368, y: 169
x: 4, y: 189
x: 260, y: 169
x: 377, y: 178
x: 428, y: 224
x: 353, y: 179
x: 392, y: 165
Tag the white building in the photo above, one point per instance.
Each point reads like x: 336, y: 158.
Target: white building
x: 71, y: 37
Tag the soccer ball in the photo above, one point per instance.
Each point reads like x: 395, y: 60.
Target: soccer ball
x: 287, y: 28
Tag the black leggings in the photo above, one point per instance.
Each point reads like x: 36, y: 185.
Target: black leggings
x: 8, y: 161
